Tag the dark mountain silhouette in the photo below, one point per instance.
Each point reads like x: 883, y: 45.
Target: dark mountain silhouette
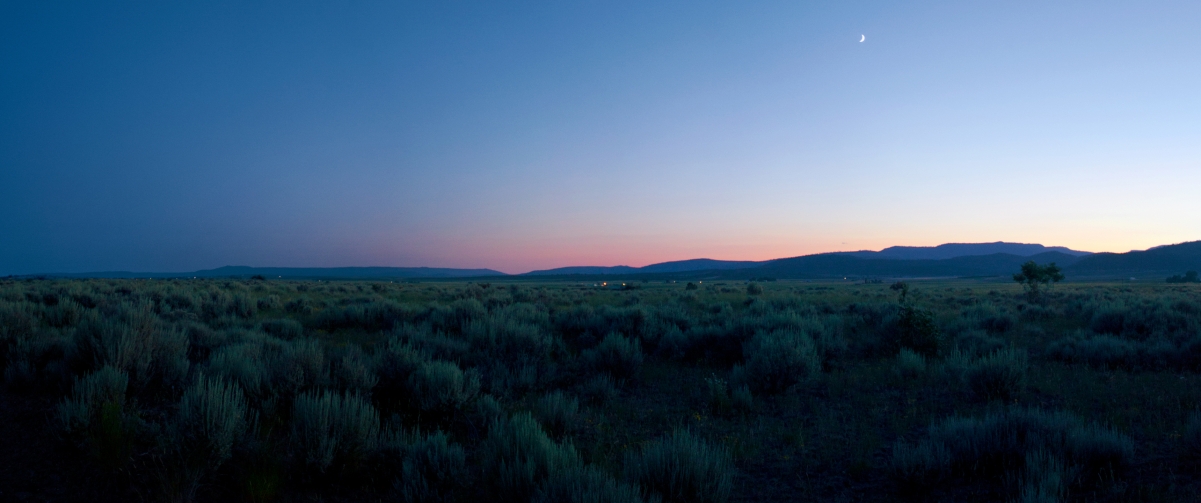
x: 952, y: 250
x: 838, y: 265
x: 1161, y: 260
x: 699, y: 264
x: 301, y: 273
x: 968, y: 261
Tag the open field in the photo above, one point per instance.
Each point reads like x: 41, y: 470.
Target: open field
x: 236, y: 390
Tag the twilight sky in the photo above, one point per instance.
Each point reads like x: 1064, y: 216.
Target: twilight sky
x: 158, y: 136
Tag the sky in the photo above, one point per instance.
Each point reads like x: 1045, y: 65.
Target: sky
x: 177, y: 136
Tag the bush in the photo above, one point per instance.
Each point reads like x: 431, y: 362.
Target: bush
x: 1000, y: 375
x: 754, y: 289
x: 518, y: 457
x: 212, y: 416
x: 909, y: 365
x: 557, y: 412
x: 355, y: 372
x: 286, y: 329
x: 433, y: 471
x: 439, y: 388
x: 333, y: 431
x: 599, y: 389
x: 775, y: 362
x: 682, y: 468
x: 916, y: 467
x: 619, y: 356
x: 999, y: 444
x: 96, y: 418
x: 586, y: 484
x: 137, y: 343
x: 916, y: 330
x: 1190, y: 439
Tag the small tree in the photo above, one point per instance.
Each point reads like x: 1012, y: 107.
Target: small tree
x: 901, y: 287
x: 1034, y: 277
x: 1189, y: 277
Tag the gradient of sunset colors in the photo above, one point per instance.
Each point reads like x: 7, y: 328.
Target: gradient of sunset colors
x: 157, y: 136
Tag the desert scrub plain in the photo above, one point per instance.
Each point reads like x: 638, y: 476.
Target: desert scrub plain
x: 254, y: 390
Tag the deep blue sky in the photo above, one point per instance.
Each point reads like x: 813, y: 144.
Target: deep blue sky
x: 159, y: 136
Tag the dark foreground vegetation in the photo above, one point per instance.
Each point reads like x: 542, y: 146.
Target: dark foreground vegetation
x: 213, y: 390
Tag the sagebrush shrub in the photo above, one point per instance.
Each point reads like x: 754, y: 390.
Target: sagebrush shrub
x: 1000, y: 375
x: 558, y: 412
x: 518, y: 456
x: 919, y: 466
x: 137, y: 342
x: 617, y: 355
x: 331, y: 430
x: 909, y: 365
x: 598, y: 389
x: 682, y: 468
x: 586, y: 484
x: 777, y: 361
x: 284, y: 328
x: 355, y: 371
x: 95, y: 416
x: 213, y: 415
x: 440, y: 387
x: 433, y: 471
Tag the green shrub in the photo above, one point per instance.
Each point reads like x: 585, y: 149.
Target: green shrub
x: 434, y: 470
x: 284, y: 328
x: 440, y: 388
x: 909, y: 365
x: 518, y: 457
x: 1000, y: 375
x: 1045, y: 479
x: 741, y: 399
x: 242, y: 364
x: 998, y: 445
x: 916, y: 467
x: 717, y: 395
x: 599, y: 389
x: 295, y: 366
x: 1190, y: 438
x: 355, y: 372
x: 96, y: 418
x: 682, y: 468
x: 137, y: 342
x: 777, y: 361
x: 333, y: 431
x: 586, y: 484
x: 619, y: 356
x: 978, y: 342
x: 557, y: 412
x: 916, y: 329
x: 754, y: 289
x: 212, y: 416
x: 396, y: 362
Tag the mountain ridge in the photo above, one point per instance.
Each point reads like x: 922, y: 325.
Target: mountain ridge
x: 969, y: 261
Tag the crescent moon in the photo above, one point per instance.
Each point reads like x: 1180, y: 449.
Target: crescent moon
x: 862, y: 37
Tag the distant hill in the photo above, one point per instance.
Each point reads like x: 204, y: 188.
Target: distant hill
x: 837, y: 265
x: 584, y: 270
x: 952, y: 250
x: 1161, y: 260
x: 301, y: 273
x: 699, y: 264
x: 943, y: 261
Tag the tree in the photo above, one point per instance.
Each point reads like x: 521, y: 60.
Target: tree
x: 1189, y: 277
x: 1034, y: 277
